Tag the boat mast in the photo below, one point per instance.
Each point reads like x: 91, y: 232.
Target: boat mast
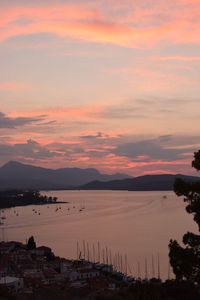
x: 121, y: 263
x: 146, y: 270
x: 99, y: 252
x: 106, y: 255
x: 126, y: 267
x: 139, y: 272
x: 158, y: 266
x: 83, y: 249
x: 110, y: 253
x: 88, y: 252
x: 77, y: 250
x: 153, y: 269
x: 94, y: 258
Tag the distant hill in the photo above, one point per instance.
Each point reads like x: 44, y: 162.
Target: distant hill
x: 162, y: 182
x: 15, y: 175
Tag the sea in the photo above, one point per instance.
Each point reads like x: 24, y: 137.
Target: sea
x: 132, y: 229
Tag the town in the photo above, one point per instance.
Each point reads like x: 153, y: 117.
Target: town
x: 26, y: 270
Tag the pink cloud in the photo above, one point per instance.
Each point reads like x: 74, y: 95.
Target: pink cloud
x: 178, y: 58
x: 73, y: 112
x: 159, y: 163
x: 80, y: 153
x: 13, y: 86
x: 189, y: 154
x: 149, y: 77
x: 178, y: 25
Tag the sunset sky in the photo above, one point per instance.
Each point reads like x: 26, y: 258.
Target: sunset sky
x: 109, y: 84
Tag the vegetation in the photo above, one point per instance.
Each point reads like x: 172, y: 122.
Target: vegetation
x: 169, y: 290
x: 185, y: 261
x: 31, y: 243
x: 13, y: 198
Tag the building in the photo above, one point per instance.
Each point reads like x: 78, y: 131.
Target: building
x: 14, y: 284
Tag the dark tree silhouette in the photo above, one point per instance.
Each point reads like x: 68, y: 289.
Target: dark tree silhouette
x: 31, y: 243
x: 185, y: 261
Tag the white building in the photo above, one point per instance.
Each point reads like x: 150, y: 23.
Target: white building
x: 83, y: 274
x: 34, y: 274
x: 14, y: 284
x: 65, y: 266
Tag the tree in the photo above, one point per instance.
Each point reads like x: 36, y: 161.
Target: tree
x: 31, y: 243
x: 185, y: 261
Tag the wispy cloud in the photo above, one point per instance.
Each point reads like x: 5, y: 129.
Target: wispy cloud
x: 98, y: 135
x: 30, y: 149
x: 8, y: 122
x: 178, y: 58
x: 135, y: 27
x: 13, y: 86
x: 128, y: 154
x: 149, y: 150
x: 80, y: 112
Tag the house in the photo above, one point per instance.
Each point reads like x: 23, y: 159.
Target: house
x: 49, y: 273
x: 65, y: 266
x: 6, y: 247
x: 78, y: 284
x: 3, y: 270
x: 42, y: 250
x: 83, y: 274
x: 33, y: 273
x: 14, y: 284
x: 88, y: 273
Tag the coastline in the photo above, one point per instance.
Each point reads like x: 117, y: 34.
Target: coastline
x: 37, y: 273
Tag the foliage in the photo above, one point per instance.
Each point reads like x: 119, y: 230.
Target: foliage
x: 169, y: 290
x: 13, y: 198
x: 31, y: 243
x: 185, y: 261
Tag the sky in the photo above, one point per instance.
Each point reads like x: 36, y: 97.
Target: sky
x: 112, y: 85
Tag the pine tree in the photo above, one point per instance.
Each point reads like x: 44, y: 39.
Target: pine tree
x: 185, y: 261
x: 31, y: 243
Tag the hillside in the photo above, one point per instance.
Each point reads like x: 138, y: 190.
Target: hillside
x: 17, y: 175
x: 162, y: 182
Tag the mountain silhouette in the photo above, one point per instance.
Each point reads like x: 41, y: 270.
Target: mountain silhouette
x: 22, y: 176
x: 163, y: 182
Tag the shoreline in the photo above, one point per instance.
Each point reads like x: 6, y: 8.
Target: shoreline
x: 37, y: 273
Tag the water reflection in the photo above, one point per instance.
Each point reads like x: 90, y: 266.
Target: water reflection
x: 137, y: 225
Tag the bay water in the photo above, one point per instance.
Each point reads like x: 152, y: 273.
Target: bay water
x: 136, y: 225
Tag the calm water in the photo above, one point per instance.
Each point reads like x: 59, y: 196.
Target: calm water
x: 138, y: 224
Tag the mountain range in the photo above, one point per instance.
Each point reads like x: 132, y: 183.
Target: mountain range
x: 15, y: 175
x: 163, y: 182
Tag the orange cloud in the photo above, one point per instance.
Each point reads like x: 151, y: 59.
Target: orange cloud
x: 178, y: 58
x: 159, y: 162
x: 83, y: 21
x: 13, y: 86
x: 152, y: 78
x: 64, y: 20
x: 76, y: 112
